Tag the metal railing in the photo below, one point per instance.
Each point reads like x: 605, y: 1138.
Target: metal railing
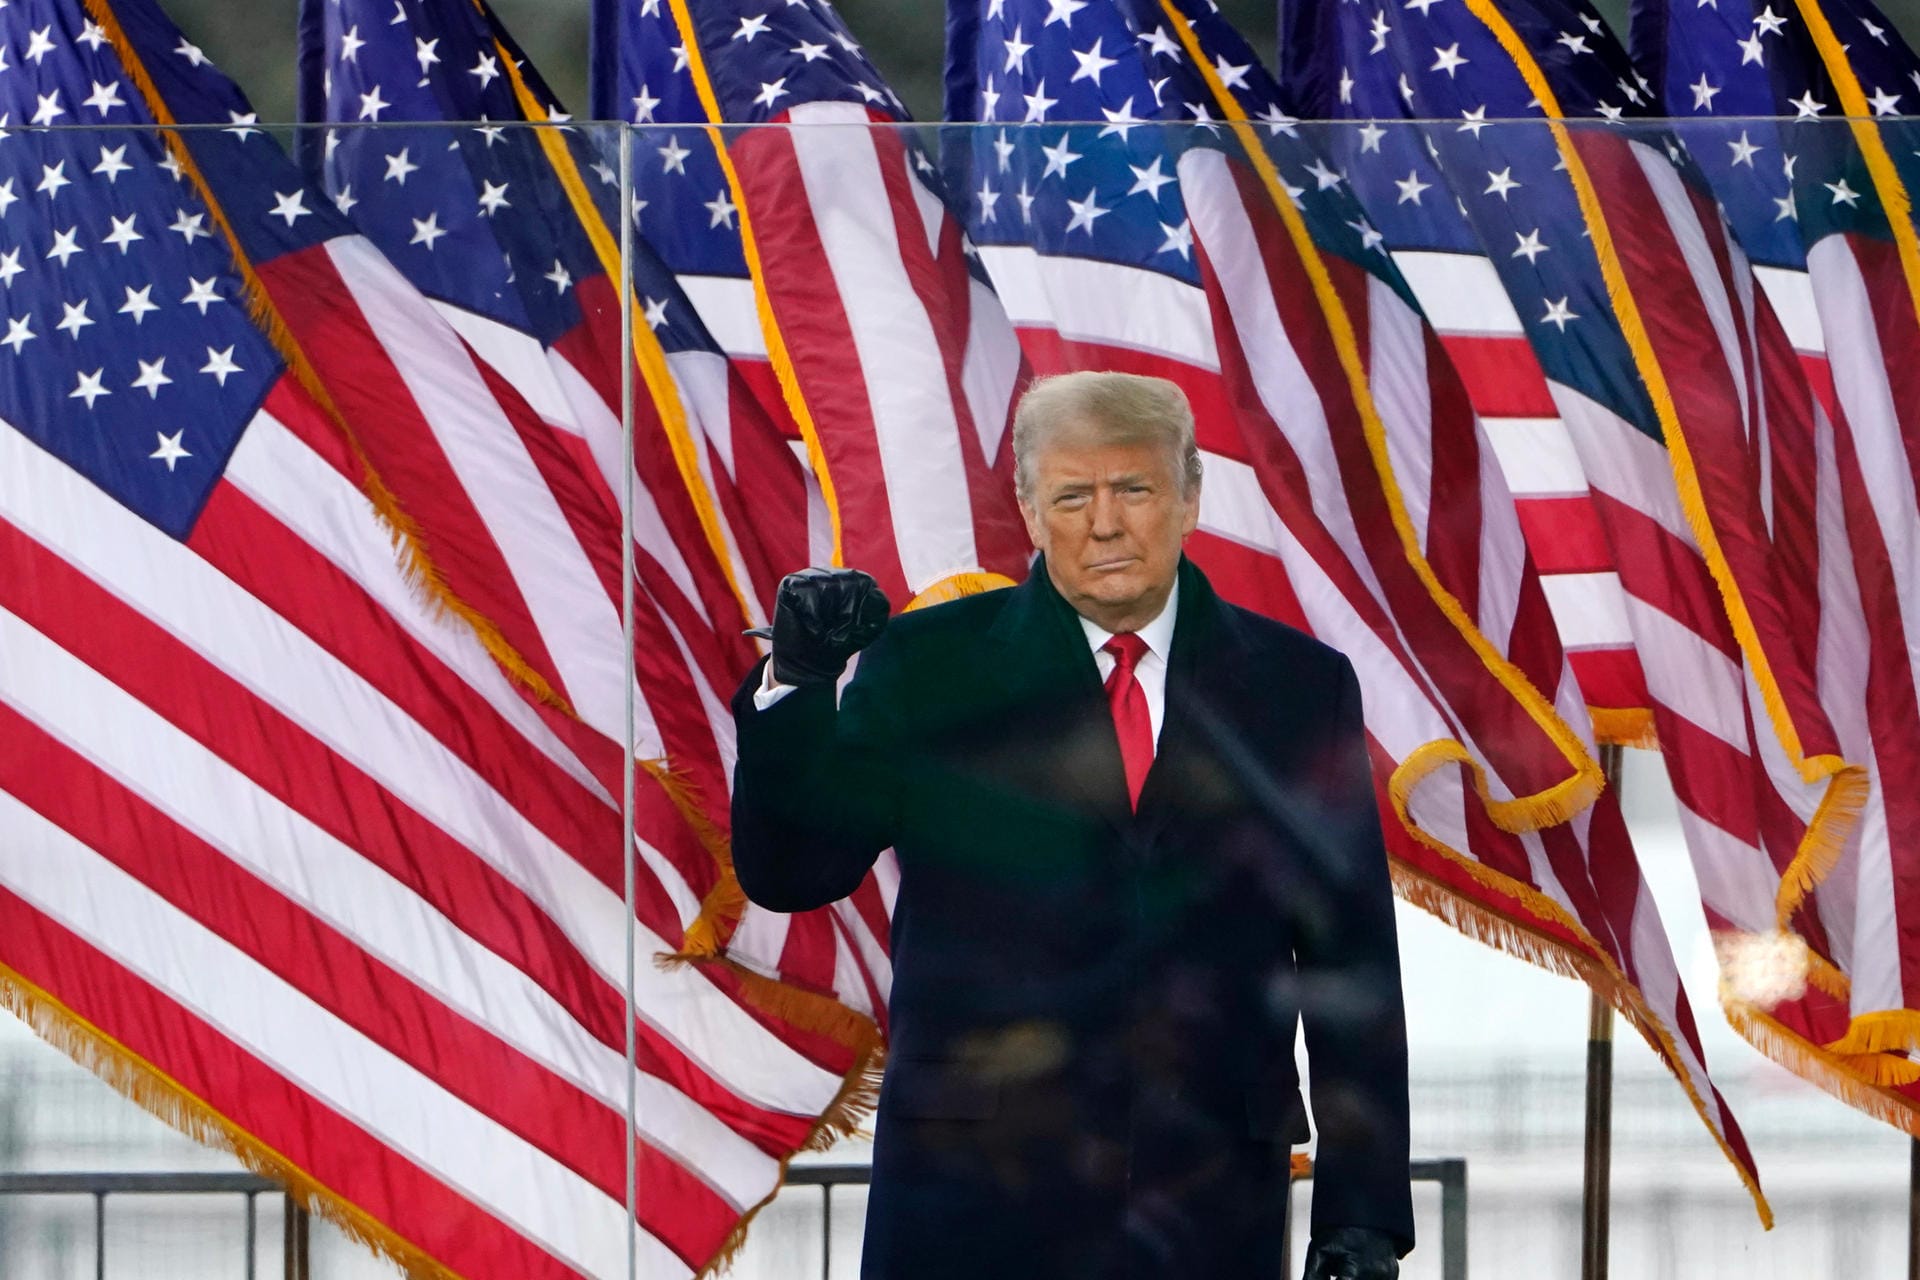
x: 295, y: 1231
x: 1451, y: 1175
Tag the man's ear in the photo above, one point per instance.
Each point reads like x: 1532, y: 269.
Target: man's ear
x: 1191, y: 519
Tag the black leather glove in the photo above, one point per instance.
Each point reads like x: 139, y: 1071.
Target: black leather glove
x: 821, y: 618
x: 1353, y: 1253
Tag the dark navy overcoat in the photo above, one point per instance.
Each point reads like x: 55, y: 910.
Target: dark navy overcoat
x: 1091, y: 1059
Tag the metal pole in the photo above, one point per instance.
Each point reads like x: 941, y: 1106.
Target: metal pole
x: 628, y: 892
x: 100, y: 1235
x: 1913, y: 1209
x: 1596, y: 1191
x: 250, y: 1233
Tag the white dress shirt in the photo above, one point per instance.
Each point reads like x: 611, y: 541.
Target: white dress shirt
x: 1150, y: 671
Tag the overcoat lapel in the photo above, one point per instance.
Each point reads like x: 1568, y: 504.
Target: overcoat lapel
x: 1053, y: 685
x: 1206, y: 681
x: 1052, y: 682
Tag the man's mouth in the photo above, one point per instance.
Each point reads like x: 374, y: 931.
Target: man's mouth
x: 1116, y: 562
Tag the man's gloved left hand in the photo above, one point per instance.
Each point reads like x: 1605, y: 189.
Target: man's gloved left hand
x: 1353, y: 1253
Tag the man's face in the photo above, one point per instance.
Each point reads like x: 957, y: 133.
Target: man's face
x: 1110, y: 519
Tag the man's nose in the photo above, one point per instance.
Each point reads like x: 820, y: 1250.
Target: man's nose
x: 1106, y: 515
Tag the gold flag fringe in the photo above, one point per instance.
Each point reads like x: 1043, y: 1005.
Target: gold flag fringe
x: 1625, y: 727
x: 1522, y: 813
x: 1589, y: 964
x: 844, y: 1117
x: 410, y: 545
x: 1850, y: 1078
x: 165, y: 1098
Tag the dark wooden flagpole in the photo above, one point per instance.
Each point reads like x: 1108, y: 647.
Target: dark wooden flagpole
x: 1596, y: 1189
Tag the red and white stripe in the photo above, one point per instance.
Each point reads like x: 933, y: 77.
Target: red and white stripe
x: 1582, y: 873
x: 1465, y: 303
x: 301, y: 846
x: 891, y: 347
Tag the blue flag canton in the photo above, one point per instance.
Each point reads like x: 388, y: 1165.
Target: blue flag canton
x: 1110, y: 190
x: 473, y: 214
x: 1437, y: 61
x: 764, y: 58
x: 687, y: 212
x: 128, y: 351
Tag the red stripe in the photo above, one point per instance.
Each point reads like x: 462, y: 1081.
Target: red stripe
x: 1454, y: 520
x: 811, y: 314
x: 1522, y: 754
x: 1501, y: 374
x: 383, y: 1004
x: 1248, y: 577
x: 336, y: 1152
x: 316, y: 598
x: 1610, y: 677
x: 287, y: 763
x: 388, y: 425
x: 1564, y: 534
x: 1706, y: 400
x: 1660, y: 570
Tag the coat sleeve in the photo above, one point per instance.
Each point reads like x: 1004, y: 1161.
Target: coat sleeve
x: 1351, y: 1003
x: 815, y: 789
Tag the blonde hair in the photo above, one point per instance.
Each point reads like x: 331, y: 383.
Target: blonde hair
x: 1121, y: 408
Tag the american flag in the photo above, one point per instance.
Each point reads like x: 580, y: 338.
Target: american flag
x: 1823, y: 202
x: 554, y: 335
x: 1652, y: 338
x: 1391, y: 172
x: 287, y: 855
x: 891, y: 353
x: 876, y: 325
x: 1144, y: 244
x: 513, y: 232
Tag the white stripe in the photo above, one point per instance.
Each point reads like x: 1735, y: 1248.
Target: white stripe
x: 277, y: 470
x: 1622, y: 462
x: 1397, y: 368
x: 727, y: 306
x: 1589, y: 609
x: 284, y: 668
x: 1791, y: 292
x: 916, y: 427
x: 1092, y: 301
x: 990, y: 372
x: 1280, y: 379
x: 1736, y: 880
x: 1461, y: 293
x: 570, y: 608
x: 1537, y: 457
x: 1860, y: 380
x: 1233, y: 505
x: 511, y: 1180
x: 203, y: 794
x: 1843, y: 646
x: 1691, y: 238
x: 1659, y: 981
x: 1503, y: 553
x: 1689, y: 676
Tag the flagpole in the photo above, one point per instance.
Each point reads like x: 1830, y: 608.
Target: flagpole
x: 628, y: 870
x: 1596, y: 1187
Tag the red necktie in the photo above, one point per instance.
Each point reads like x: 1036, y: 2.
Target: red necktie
x: 1130, y: 719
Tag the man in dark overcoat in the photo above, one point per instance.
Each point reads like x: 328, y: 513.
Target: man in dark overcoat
x: 1138, y: 847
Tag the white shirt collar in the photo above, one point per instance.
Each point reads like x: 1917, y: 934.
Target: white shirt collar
x: 1158, y: 634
